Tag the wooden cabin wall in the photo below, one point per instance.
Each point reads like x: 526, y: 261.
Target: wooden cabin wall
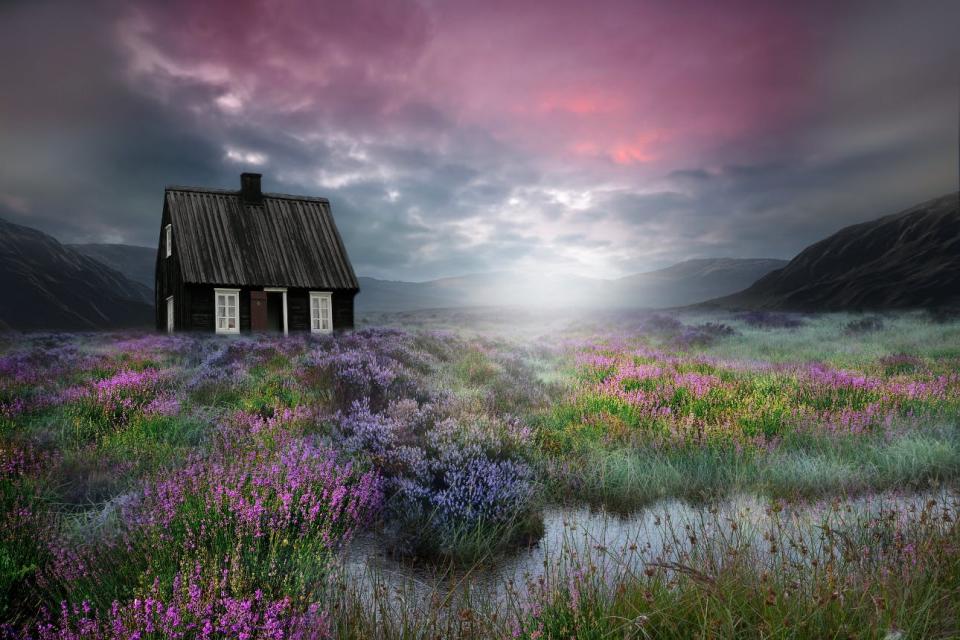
x: 194, y: 308
x: 244, y: 310
x: 343, y: 310
x: 199, y: 299
x: 298, y: 310
x: 167, y: 283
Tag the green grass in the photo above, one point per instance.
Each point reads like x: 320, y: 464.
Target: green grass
x: 759, y: 429
x: 625, y: 479
x: 466, y: 546
x: 154, y: 442
x: 822, y: 338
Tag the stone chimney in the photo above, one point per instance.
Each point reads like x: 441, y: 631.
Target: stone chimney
x: 250, y: 188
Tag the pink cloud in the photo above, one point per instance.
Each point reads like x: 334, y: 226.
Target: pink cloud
x: 580, y: 102
x: 601, y: 72
x: 622, y: 82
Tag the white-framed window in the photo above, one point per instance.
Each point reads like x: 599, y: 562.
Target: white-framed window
x: 168, y: 240
x: 170, y: 314
x: 321, y: 312
x: 226, y: 310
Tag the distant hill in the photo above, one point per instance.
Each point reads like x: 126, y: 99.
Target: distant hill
x: 48, y: 286
x: 135, y: 262
x: 681, y: 284
x: 395, y: 295
x: 692, y: 281
x: 909, y: 259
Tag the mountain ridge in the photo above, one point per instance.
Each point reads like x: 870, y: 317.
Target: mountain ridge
x: 57, y: 288
x: 908, y: 259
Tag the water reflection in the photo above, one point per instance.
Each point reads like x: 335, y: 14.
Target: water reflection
x: 663, y: 534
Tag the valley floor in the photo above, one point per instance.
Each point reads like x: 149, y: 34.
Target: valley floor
x: 443, y: 474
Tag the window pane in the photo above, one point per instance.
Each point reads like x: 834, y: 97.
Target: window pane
x: 225, y: 311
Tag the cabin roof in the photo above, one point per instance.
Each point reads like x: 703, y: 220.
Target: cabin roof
x: 281, y: 241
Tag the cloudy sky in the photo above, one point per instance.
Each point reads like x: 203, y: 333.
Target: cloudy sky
x: 595, y: 137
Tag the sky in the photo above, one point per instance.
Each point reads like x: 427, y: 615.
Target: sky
x: 598, y: 138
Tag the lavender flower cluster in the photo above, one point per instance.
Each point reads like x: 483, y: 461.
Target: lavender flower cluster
x: 379, y: 366
x: 263, y: 494
x: 117, y: 398
x: 471, y: 488
x: 294, y: 488
x: 198, y: 606
x: 439, y: 470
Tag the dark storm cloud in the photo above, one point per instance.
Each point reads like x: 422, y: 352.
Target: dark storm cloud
x: 657, y: 134
x: 84, y: 153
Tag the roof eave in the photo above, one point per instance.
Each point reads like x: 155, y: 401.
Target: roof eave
x: 233, y: 192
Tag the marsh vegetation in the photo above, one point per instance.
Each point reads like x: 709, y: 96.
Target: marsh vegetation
x: 635, y: 475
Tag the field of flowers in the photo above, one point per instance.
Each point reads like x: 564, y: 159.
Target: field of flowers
x: 198, y: 487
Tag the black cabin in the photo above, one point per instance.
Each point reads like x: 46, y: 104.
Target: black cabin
x: 239, y: 261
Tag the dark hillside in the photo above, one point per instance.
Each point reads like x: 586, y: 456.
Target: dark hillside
x: 906, y: 260
x: 47, y: 286
x: 135, y: 262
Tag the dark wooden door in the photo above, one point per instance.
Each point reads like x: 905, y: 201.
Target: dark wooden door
x: 258, y: 310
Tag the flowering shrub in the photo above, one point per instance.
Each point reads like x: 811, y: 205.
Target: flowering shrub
x: 361, y: 430
x: 260, y: 516
x: 470, y: 488
x: 28, y: 378
x: 113, y: 401
x: 217, y: 369
x: 375, y: 366
x: 197, y: 606
x: 770, y: 320
x: 440, y: 474
x: 649, y: 396
x: 702, y: 335
x: 286, y: 493
x: 662, y: 324
x: 863, y: 325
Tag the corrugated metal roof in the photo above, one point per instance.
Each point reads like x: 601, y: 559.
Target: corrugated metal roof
x: 287, y: 241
